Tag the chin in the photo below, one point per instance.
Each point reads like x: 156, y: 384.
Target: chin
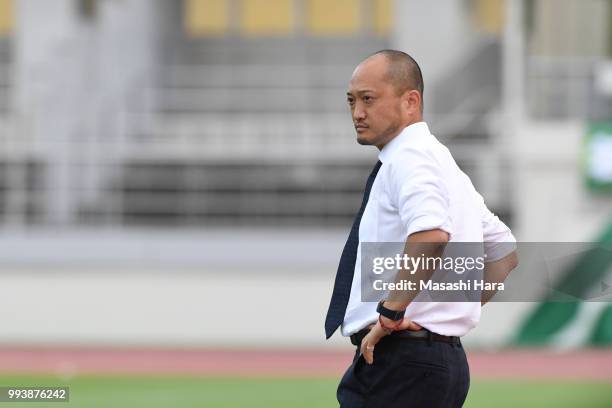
x: 363, y: 140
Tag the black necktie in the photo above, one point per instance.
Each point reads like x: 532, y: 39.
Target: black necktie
x: 346, y: 268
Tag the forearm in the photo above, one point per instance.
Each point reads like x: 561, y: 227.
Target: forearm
x: 425, y: 245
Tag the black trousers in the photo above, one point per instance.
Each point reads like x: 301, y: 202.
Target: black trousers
x: 407, y: 373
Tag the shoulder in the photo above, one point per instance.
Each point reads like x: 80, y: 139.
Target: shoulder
x: 421, y: 156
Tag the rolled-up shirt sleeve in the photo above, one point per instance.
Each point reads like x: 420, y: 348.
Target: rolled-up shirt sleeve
x: 498, y: 239
x: 419, y: 192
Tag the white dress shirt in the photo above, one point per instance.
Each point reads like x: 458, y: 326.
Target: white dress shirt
x: 419, y: 187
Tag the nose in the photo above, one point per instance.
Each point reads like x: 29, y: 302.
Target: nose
x: 358, y: 113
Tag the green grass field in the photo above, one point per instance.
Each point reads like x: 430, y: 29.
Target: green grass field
x: 179, y: 392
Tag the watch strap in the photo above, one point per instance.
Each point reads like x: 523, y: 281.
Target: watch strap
x: 394, y: 315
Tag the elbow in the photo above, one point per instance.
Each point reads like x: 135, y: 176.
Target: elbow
x: 439, y: 236
x: 513, y: 260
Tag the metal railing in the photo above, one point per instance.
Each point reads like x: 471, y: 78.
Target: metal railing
x: 217, y: 145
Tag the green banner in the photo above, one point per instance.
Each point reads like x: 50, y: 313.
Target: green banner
x: 598, y: 157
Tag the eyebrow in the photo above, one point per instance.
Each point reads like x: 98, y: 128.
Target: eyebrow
x: 360, y: 92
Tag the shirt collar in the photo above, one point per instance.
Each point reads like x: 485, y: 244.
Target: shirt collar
x: 405, y: 136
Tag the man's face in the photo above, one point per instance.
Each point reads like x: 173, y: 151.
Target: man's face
x: 374, y: 103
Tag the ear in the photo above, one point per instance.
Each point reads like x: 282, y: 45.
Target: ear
x: 413, y: 100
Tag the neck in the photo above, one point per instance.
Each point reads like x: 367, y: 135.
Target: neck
x: 400, y: 129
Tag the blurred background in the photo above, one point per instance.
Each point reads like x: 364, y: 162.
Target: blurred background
x: 172, y: 171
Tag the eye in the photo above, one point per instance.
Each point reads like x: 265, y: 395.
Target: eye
x: 351, y: 101
x: 368, y: 99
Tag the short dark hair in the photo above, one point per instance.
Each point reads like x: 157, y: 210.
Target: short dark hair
x: 404, y: 72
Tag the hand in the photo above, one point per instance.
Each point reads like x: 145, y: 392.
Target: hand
x: 377, y: 332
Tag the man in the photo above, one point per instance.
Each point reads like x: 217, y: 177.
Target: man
x: 408, y: 352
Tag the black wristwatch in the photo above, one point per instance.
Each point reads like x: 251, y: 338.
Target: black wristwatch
x: 394, y: 315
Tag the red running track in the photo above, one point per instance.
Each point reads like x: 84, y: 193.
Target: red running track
x: 593, y: 364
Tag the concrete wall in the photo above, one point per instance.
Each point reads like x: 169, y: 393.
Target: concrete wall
x: 174, y: 308
x: 177, y: 290
x: 121, y: 306
x: 215, y: 288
